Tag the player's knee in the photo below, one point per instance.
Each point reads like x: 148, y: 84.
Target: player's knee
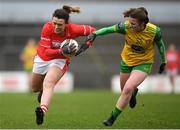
x: 48, y: 83
x: 36, y: 87
x: 127, y: 90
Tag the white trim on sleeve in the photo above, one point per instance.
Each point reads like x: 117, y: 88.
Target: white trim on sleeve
x: 84, y: 29
x: 45, y: 46
x: 46, y: 39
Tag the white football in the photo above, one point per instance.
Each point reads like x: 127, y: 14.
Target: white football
x: 68, y: 42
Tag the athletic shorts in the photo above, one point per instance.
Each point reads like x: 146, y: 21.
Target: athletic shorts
x: 172, y: 72
x: 124, y: 68
x: 41, y: 67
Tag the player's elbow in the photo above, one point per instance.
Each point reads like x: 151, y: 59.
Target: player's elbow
x: 47, y: 53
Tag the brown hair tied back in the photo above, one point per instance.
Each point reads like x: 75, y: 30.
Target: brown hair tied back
x: 138, y: 13
x: 128, y: 12
x: 65, y: 11
x: 70, y: 9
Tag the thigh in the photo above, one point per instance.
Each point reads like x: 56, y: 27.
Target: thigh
x: 123, y: 78
x: 53, y: 75
x: 37, y: 82
x: 135, y: 79
x: 56, y: 70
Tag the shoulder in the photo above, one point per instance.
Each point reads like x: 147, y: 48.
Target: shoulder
x: 123, y: 25
x: 75, y: 28
x: 152, y: 28
x: 72, y: 25
x: 120, y: 27
x: 127, y: 25
x: 48, y: 26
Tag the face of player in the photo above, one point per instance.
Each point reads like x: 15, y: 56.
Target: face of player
x: 59, y: 25
x: 136, y: 26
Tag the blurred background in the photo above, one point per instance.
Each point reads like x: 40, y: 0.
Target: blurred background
x: 23, y: 19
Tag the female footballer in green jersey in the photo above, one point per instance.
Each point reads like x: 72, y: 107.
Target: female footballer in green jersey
x: 137, y: 55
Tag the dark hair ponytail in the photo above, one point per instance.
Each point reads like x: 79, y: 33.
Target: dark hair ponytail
x: 138, y: 13
x: 64, y: 12
x: 70, y: 9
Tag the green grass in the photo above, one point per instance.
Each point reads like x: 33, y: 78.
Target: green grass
x: 87, y: 109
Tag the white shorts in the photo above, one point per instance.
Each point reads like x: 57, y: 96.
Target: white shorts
x: 41, y: 67
x: 172, y: 72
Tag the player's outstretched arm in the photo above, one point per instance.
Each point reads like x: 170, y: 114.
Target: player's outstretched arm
x: 91, y: 37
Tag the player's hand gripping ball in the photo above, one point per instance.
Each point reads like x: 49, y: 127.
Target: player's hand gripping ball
x: 69, y: 47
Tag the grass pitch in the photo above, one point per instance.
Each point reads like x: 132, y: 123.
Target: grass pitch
x: 85, y: 109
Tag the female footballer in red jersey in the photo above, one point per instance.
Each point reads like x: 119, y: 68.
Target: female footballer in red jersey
x: 51, y: 62
x: 172, y: 64
x: 137, y: 56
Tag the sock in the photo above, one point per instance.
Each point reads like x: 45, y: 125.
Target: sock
x: 115, y: 113
x: 44, y: 108
x: 135, y: 92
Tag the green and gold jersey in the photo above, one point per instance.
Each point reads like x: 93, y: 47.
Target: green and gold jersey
x: 139, y: 46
